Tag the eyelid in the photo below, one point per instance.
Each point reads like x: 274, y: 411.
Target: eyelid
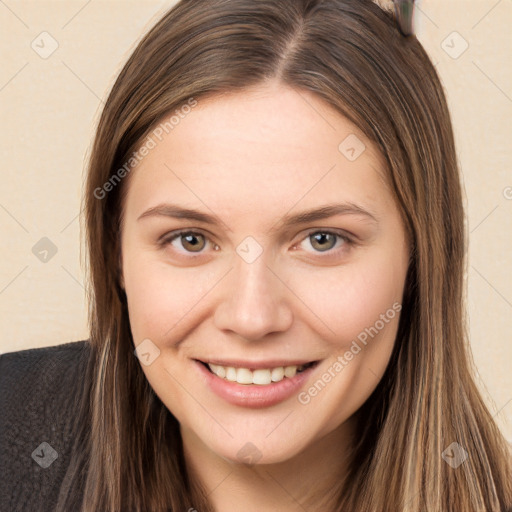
x: 348, y: 241
x: 348, y: 238
x: 338, y: 232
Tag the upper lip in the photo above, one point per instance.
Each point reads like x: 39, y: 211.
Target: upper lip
x: 243, y: 363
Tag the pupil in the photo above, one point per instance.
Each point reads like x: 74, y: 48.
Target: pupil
x: 194, y: 244
x: 322, y: 237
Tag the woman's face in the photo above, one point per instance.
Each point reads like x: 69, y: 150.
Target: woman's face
x: 252, y: 285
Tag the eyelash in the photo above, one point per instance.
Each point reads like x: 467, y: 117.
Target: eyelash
x: 347, y: 241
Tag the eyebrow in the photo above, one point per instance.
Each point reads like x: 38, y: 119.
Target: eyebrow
x: 312, y: 215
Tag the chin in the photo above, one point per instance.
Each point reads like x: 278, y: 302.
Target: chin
x: 258, y: 452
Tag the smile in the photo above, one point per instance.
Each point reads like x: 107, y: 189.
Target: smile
x: 260, y: 376
x: 247, y: 386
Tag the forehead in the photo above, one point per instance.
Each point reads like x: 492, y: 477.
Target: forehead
x: 264, y: 149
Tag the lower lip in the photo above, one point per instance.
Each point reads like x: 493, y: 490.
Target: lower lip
x: 253, y: 395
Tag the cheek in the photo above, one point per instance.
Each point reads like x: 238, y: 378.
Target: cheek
x: 348, y: 301
x: 345, y: 299
x: 340, y: 303
x: 361, y: 307
x: 160, y: 296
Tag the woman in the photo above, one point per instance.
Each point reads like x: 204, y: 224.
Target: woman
x: 276, y: 242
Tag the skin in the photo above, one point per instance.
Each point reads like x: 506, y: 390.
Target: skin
x: 249, y: 159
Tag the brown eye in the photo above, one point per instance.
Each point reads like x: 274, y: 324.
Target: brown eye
x: 327, y: 242
x: 193, y: 242
x: 323, y: 241
x: 190, y: 241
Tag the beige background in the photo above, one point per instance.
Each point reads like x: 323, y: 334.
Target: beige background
x: 49, y: 107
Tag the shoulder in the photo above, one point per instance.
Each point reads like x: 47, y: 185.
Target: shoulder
x: 41, y: 377
x: 22, y: 359
x: 42, y: 359
x: 40, y: 390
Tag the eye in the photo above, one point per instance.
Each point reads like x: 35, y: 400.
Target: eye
x: 324, y: 241
x: 190, y: 241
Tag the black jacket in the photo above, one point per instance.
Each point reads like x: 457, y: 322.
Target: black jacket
x: 39, y: 394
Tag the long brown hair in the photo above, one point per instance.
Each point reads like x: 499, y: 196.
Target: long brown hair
x: 351, y: 54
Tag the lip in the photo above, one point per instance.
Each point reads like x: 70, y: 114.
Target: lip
x: 252, y: 395
x: 255, y: 365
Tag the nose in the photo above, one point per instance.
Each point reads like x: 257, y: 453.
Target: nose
x: 255, y: 301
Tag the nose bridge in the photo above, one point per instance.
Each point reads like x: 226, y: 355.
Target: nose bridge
x: 254, y: 279
x: 255, y: 303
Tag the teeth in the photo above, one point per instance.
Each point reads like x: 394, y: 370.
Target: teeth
x: 262, y: 377
x: 230, y: 374
x: 277, y: 374
x: 290, y: 371
x: 244, y: 376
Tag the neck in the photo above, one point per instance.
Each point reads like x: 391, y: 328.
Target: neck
x: 308, y: 481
